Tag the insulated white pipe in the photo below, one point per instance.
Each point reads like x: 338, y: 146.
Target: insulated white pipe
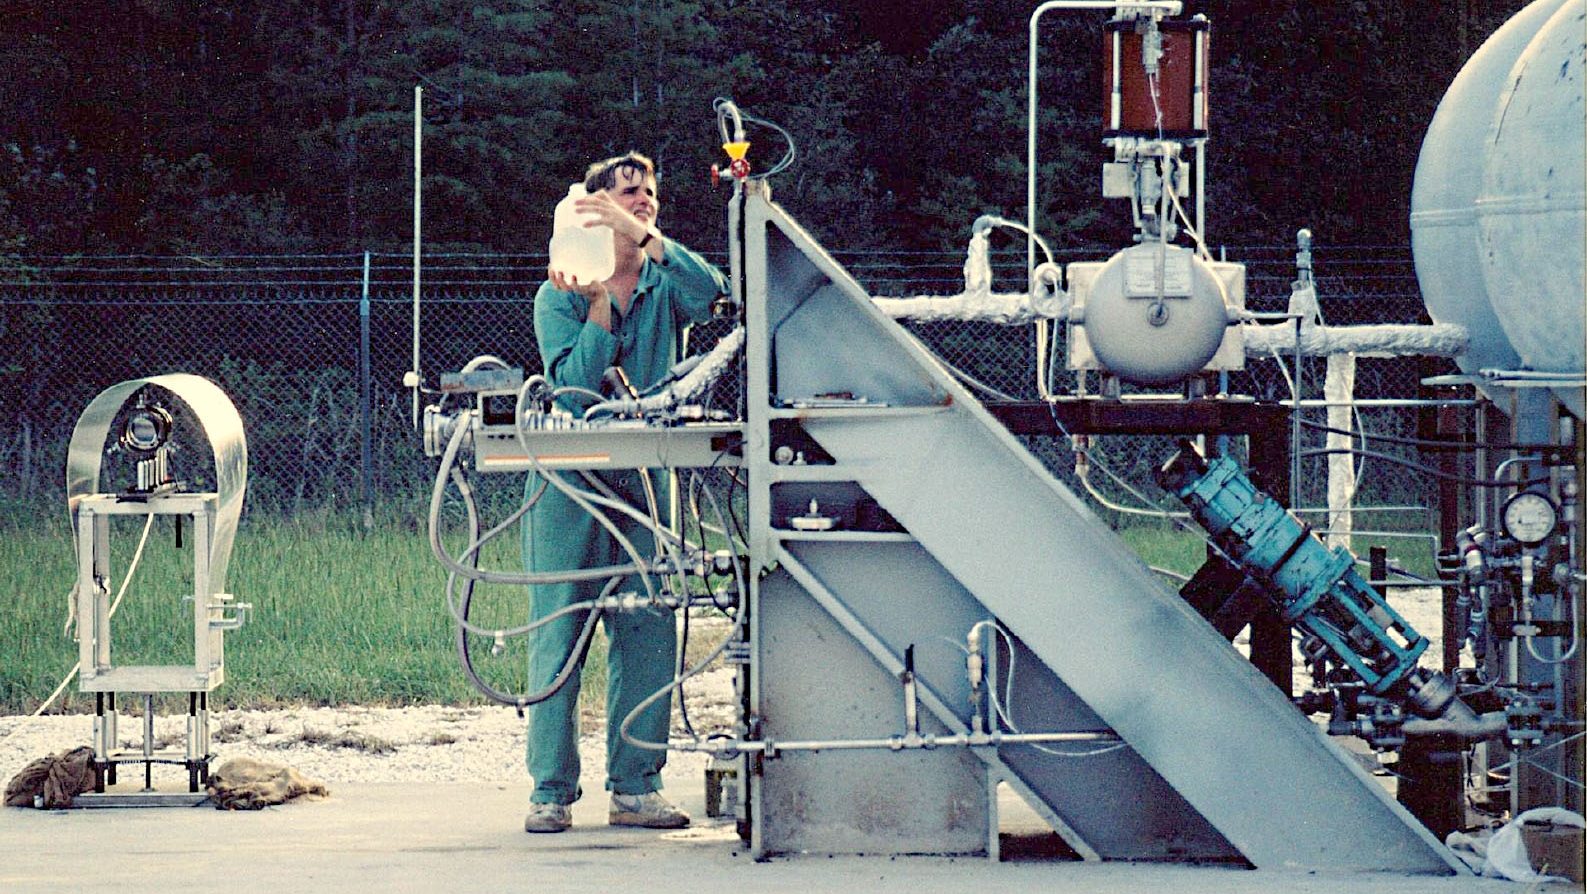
x: 1339, y: 387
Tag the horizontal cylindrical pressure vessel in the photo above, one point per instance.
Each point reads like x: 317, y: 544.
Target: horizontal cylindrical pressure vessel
x: 1156, y: 314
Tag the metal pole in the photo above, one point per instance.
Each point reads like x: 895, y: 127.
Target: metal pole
x: 1201, y: 188
x: 418, y: 139
x: 365, y: 462
x: 1030, y: 199
x: 1294, y: 426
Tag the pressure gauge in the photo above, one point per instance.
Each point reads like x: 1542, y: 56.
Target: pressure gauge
x: 1529, y: 517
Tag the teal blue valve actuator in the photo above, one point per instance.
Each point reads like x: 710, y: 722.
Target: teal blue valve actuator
x: 1318, y: 590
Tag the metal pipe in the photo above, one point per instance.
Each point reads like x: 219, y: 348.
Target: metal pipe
x: 1389, y: 402
x: 365, y: 452
x: 1471, y: 728
x: 1410, y: 535
x: 975, y: 672
x: 1201, y: 184
x: 192, y: 727
x: 1498, y: 473
x: 148, y: 743
x: 1323, y: 509
x: 894, y: 743
x: 911, y: 705
x: 418, y: 193
x: 1294, y: 423
x: 1520, y: 378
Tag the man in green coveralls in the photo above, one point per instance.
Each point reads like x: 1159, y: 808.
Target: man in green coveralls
x: 634, y: 321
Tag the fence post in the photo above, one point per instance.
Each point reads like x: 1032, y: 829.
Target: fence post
x: 365, y: 463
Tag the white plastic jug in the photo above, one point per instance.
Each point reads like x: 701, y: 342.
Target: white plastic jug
x: 583, y: 253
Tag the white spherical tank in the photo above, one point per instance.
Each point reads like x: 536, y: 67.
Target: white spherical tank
x: 1497, y: 209
x: 1532, y: 214
x: 1156, y: 314
x: 1443, y: 199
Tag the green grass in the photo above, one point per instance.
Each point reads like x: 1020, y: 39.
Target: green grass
x: 338, y: 616
x: 1161, y: 546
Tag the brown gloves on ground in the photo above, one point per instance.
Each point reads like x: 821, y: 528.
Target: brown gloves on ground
x: 57, y: 779
x: 243, y: 783
x: 239, y: 784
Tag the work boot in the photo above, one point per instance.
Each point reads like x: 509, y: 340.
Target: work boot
x: 650, y: 811
x: 548, y: 818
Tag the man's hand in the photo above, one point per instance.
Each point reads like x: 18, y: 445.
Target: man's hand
x: 600, y: 300
x: 604, y: 211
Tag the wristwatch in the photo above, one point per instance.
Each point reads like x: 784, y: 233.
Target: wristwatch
x: 650, y: 233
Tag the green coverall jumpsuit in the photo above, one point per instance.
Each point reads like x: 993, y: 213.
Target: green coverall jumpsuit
x: 558, y: 535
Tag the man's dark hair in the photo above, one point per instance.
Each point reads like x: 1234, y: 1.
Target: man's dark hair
x: 603, y: 174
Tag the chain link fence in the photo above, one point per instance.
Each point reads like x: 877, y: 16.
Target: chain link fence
x: 290, y: 338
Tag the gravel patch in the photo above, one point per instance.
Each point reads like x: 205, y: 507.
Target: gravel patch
x: 426, y: 743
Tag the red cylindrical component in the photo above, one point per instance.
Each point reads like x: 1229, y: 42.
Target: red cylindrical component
x: 1129, y: 109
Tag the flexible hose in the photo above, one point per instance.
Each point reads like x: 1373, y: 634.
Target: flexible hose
x: 611, y: 499
x: 666, y: 543
x: 437, y: 494
x: 1008, y: 689
x: 460, y: 613
x: 575, y: 656
x: 706, y: 372
x: 1575, y: 640
x: 671, y: 687
x: 702, y: 664
x: 1419, y: 467
x: 988, y: 221
x: 678, y: 681
x: 1102, y: 499
x: 1423, y: 443
x: 667, y: 540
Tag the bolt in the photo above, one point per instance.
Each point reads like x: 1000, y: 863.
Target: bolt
x: 1157, y: 313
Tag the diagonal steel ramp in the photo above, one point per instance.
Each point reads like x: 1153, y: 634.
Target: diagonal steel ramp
x: 1212, y: 746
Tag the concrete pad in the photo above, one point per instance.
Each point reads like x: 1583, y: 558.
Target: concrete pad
x: 457, y: 836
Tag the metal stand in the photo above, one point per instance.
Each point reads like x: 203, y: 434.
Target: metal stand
x: 212, y: 614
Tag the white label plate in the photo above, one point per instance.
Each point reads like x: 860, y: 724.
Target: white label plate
x: 1140, y: 273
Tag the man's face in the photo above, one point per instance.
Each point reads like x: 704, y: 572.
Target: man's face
x: 635, y: 192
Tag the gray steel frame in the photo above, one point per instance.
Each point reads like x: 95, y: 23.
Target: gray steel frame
x: 1218, y: 764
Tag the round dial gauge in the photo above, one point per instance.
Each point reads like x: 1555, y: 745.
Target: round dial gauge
x: 1529, y: 518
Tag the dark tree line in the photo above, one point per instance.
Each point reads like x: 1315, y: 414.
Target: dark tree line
x: 175, y: 126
